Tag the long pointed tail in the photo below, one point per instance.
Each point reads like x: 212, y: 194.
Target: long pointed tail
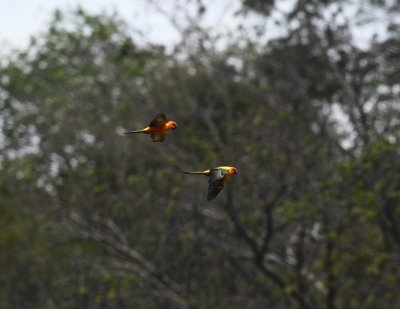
x: 207, y: 172
x: 137, y: 131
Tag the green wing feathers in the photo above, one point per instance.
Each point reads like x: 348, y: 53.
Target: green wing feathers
x: 214, y: 189
x: 159, y: 120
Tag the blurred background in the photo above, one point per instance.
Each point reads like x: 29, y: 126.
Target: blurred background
x: 302, y: 96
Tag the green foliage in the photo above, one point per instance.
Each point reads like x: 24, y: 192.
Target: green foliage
x: 93, y: 218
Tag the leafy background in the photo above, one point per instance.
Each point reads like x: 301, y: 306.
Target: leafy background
x: 91, y: 218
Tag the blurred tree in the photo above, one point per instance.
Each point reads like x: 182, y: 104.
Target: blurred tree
x: 93, y: 218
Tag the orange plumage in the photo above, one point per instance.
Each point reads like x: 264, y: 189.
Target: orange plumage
x: 158, y: 128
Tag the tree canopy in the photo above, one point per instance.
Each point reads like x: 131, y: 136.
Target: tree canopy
x: 92, y: 218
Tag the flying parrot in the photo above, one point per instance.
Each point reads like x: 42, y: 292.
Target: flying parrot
x: 158, y: 128
x: 217, y: 179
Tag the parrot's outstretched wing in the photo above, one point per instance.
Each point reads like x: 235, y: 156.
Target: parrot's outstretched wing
x: 215, y: 175
x: 214, y: 189
x: 215, y: 183
x: 159, y: 120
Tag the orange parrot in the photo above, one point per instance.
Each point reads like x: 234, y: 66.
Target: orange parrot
x: 217, y: 179
x: 158, y: 128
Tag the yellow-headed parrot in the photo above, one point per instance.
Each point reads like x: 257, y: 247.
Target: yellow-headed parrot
x: 217, y: 179
x: 158, y: 128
